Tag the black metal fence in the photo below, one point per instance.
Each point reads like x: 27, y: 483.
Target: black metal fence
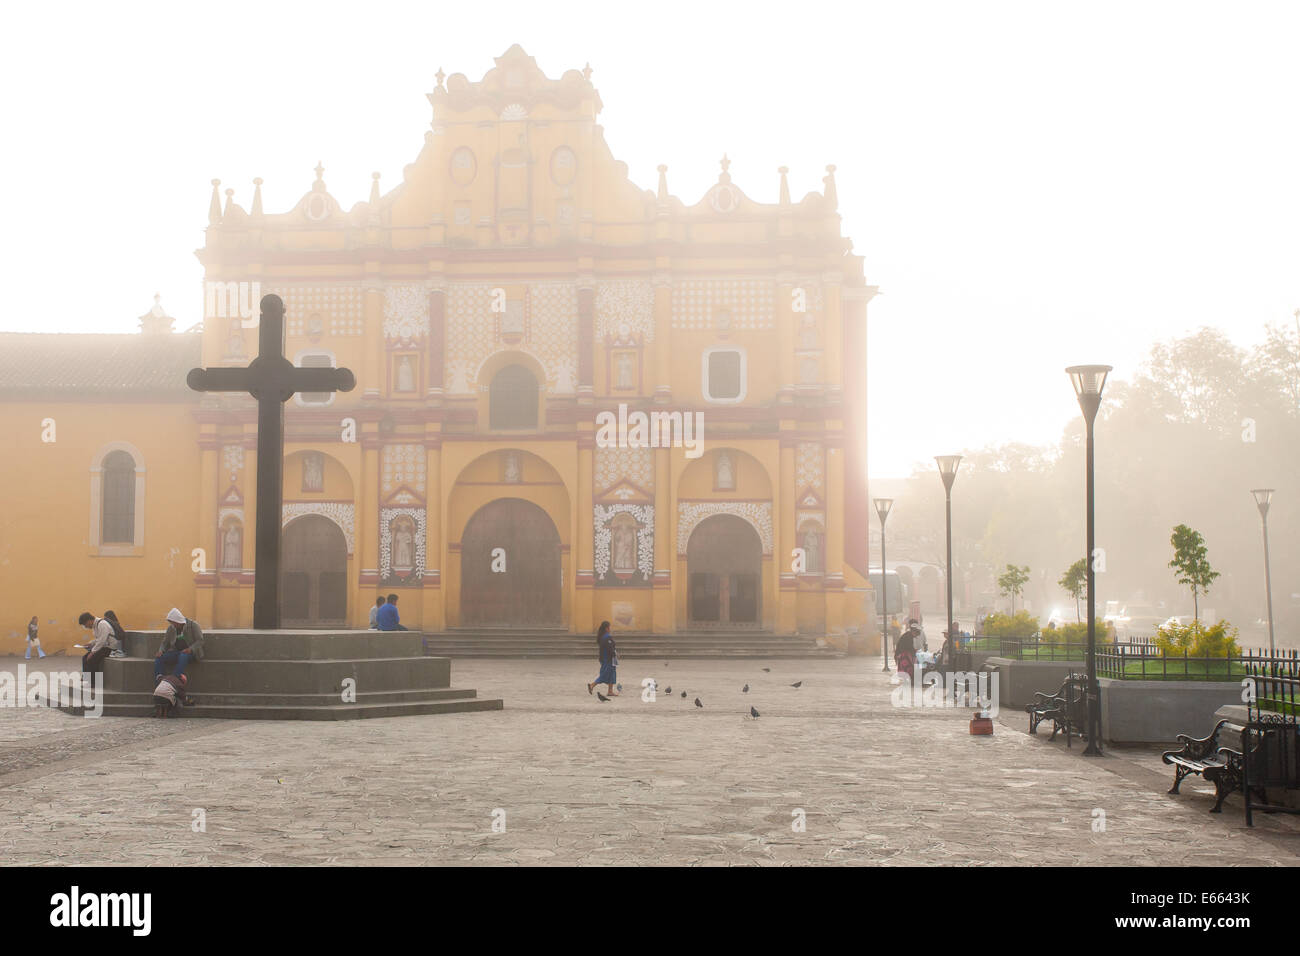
x: 1274, y: 681
x: 1276, y: 678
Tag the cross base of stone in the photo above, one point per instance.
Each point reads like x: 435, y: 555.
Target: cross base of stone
x: 295, y: 675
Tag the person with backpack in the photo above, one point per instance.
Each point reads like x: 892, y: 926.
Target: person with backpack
x: 608, y: 660
x: 33, y: 639
x: 119, y: 635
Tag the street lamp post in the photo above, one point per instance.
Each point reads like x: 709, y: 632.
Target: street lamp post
x: 882, y: 508
x: 1089, y: 381
x: 948, y: 472
x: 1262, y: 498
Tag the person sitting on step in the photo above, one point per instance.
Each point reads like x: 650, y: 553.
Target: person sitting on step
x: 388, y: 618
x: 182, y: 643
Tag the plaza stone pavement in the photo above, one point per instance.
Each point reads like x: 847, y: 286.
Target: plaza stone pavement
x: 624, y: 782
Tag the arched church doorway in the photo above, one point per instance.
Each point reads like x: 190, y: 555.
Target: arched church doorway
x: 510, y: 571
x: 314, y: 573
x: 724, y: 567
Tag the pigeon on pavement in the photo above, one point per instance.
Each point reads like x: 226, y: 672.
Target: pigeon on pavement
x: 697, y: 702
x: 753, y: 712
x: 745, y: 689
x: 603, y: 698
x: 796, y: 683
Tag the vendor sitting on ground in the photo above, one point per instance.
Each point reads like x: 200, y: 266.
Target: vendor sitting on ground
x: 182, y: 643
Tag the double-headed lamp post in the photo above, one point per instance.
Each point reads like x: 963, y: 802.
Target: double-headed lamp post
x: 882, y: 508
x: 948, y: 472
x: 1089, y: 381
x: 1262, y: 498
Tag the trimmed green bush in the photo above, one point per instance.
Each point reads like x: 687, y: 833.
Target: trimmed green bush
x: 1197, y: 640
x: 1018, y: 626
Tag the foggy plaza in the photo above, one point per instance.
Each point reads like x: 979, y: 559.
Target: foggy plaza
x: 818, y: 436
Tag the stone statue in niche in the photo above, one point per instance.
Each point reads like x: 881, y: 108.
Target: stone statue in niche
x: 405, y: 375
x: 235, y: 341
x: 725, y: 476
x: 512, y: 322
x: 812, y: 547
x: 403, y: 544
x: 511, y: 469
x: 232, y: 545
x: 626, y: 377
x: 623, y: 544
x: 313, y: 472
x: 808, y: 332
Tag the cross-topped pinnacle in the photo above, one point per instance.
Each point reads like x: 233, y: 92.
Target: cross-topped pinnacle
x: 586, y: 72
x: 725, y: 162
x: 271, y: 379
x: 320, y: 171
x: 440, y: 76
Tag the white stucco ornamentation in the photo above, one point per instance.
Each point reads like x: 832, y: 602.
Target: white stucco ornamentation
x: 406, y: 312
x: 748, y: 302
x: 625, y: 307
x: 232, y: 456
x: 339, y: 307
x: 691, y: 513
x: 645, y: 539
x: 551, y: 335
x: 402, y: 465
x: 809, y: 468
x: 614, y: 465
x: 342, y: 514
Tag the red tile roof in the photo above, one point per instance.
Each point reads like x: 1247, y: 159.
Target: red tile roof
x: 40, y: 363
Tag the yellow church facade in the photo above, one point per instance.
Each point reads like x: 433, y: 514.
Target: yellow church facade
x: 577, y: 399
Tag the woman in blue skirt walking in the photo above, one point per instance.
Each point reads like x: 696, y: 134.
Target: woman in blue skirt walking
x: 608, y: 660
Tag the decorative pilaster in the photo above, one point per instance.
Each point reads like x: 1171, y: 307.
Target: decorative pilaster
x: 584, y: 550
x: 663, y: 319
x: 665, y: 508
x: 437, y: 338
x: 435, y: 609
x: 373, y: 321
x: 787, y: 596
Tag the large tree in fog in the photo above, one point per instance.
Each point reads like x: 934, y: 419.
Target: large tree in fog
x: 1183, y: 441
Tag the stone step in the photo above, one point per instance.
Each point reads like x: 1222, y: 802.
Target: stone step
x: 276, y: 645
x: 311, y: 676
x: 138, y: 698
x: 331, y: 712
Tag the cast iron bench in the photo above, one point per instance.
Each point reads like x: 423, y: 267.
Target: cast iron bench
x: 1206, y: 756
x: 1269, y: 758
x: 1067, y: 709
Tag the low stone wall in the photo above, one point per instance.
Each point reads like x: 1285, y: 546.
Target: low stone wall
x: 1157, y: 711
x: 1018, y: 681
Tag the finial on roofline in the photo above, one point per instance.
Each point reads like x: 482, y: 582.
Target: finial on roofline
x: 214, y: 207
x: 785, y: 185
x: 832, y: 197
x: 724, y: 176
x: 663, y: 183
x: 257, y: 196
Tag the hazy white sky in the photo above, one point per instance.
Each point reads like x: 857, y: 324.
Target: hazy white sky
x: 1032, y: 184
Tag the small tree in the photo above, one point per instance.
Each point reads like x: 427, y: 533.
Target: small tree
x: 1012, y: 581
x: 1075, y: 582
x: 1192, y: 564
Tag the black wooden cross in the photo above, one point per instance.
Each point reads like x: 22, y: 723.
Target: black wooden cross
x: 271, y: 379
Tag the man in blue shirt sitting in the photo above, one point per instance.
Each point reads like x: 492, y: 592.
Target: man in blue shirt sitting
x: 388, y: 618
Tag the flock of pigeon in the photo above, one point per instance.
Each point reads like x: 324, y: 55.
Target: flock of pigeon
x: 668, y: 690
